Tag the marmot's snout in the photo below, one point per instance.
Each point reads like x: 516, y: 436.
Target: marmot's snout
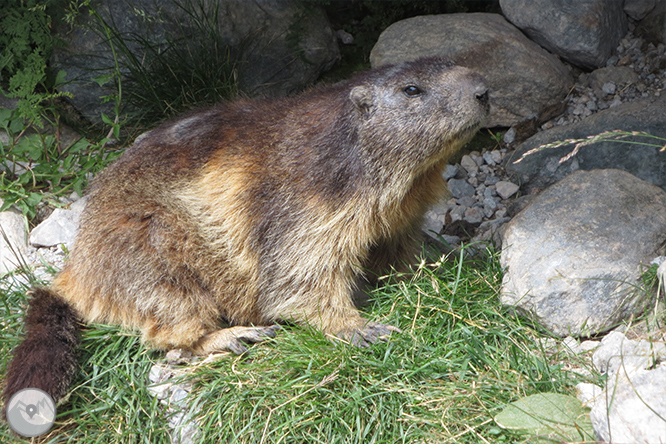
x: 480, y: 92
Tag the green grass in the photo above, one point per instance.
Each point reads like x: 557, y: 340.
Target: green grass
x: 460, y: 359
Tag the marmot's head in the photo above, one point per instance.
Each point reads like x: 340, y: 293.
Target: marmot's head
x: 420, y: 111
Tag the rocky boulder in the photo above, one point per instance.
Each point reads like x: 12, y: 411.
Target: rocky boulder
x: 543, y: 168
x: 575, y: 254
x: 632, y: 406
x: 59, y: 228
x: 638, y: 9
x: 13, y: 245
x: 514, y: 67
x: 582, y: 32
x: 651, y: 27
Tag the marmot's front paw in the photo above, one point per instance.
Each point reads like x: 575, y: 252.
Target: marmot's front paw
x: 234, y: 339
x: 368, y: 334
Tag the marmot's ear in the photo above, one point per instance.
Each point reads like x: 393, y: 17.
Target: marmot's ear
x: 363, y: 99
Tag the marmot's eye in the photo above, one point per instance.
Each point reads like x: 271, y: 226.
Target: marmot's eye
x: 412, y: 90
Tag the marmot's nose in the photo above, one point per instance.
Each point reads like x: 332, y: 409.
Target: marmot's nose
x: 481, y: 94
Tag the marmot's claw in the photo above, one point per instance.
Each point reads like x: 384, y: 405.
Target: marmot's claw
x: 234, y: 339
x: 370, y: 333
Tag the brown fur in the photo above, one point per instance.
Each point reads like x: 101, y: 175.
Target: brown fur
x: 46, y: 359
x: 263, y: 211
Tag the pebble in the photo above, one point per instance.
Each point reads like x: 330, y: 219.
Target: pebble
x: 506, y: 189
x: 460, y: 188
x: 480, y: 187
x: 474, y: 215
x: 608, y: 88
x: 450, y: 172
x: 647, y: 64
x: 469, y: 164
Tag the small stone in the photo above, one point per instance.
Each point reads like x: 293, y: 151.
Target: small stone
x: 178, y: 356
x: 476, y: 158
x: 155, y: 373
x: 344, y: 37
x: 59, y: 228
x: 460, y: 188
x: 176, y: 419
x: 491, y: 204
x: 160, y: 390
x: 457, y: 213
x: 491, y: 180
x: 489, y: 192
x: 579, y: 109
x: 488, y: 158
x: 178, y: 396
x: 661, y: 274
x: 474, y: 215
x: 450, y: 172
x: 432, y: 224
x: 497, y: 154
x: 509, y: 136
x: 588, y: 393
x: 587, y: 346
x: 608, y: 88
x: 506, y: 189
x: 468, y: 163
x: 467, y: 201
x: 616, y: 102
x: 612, y: 61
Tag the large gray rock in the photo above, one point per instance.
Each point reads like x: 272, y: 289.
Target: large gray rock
x: 541, y: 169
x: 638, y: 9
x: 632, y: 406
x: 281, y: 47
x: 59, y: 228
x: 13, y: 229
x: 575, y: 254
x: 652, y: 27
x: 514, y: 67
x: 583, y: 32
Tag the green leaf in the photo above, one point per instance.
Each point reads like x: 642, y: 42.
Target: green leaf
x: 548, y: 415
x: 33, y: 199
x: 60, y: 78
x: 106, y: 119
x: 103, y: 79
x: 81, y: 145
x: 5, y: 117
x: 30, y: 145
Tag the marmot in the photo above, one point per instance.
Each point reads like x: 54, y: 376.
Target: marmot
x: 256, y: 212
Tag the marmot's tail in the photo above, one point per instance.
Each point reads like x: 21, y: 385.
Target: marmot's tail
x: 46, y: 359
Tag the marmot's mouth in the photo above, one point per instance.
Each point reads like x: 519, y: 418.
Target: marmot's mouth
x: 468, y: 131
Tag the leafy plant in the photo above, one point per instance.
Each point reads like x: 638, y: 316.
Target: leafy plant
x: 194, y: 66
x: 552, y: 417
x: 26, y: 44
x: 36, y: 166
